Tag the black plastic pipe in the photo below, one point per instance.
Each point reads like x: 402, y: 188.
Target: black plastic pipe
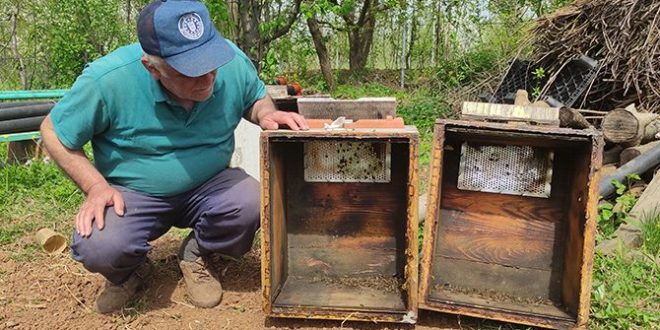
x: 5, y: 105
x: 25, y: 111
x: 21, y: 125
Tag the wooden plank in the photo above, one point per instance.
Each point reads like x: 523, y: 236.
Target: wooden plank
x: 501, y: 306
x: 332, y: 262
x: 433, y: 209
x: 518, y: 128
x: 363, y: 108
x: 411, y: 267
x: 589, y: 229
x: 521, y: 207
x: 362, y: 294
x: 504, y: 281
x: 510, y: 112
x: 514, y: 240
x: 648, y: 204
x: 402, y: 135
x: 277, y: 91
x: 278, y: 219
x: 265, y: 215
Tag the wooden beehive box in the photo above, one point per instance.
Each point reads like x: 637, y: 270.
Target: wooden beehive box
x: 339, y: 224
x: 511, y: 222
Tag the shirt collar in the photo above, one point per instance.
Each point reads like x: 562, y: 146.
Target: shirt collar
x: 159, y: 94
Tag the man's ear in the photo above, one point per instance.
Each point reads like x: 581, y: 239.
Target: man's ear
x: 150, y: 67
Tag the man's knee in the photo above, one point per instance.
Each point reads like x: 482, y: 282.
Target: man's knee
x: 108, y: 250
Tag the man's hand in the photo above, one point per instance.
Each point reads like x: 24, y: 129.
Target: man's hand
x: 98, y: 198
x: 273, y: 120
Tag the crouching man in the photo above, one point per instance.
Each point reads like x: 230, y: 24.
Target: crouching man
x: 161, y: 116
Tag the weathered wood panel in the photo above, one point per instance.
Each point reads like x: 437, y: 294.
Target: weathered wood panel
x: 502, y: 306
x: 329, y: 262
x: 363, y: 108
x: 499, y: 280
x: 339, y: 294
x: 510, y: 112
x: 347, y: 209
x: 504, y: 240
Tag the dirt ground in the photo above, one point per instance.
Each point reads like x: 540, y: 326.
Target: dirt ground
x: 39, y: 291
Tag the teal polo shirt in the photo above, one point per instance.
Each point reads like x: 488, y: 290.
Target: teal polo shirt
x: 142, y: 139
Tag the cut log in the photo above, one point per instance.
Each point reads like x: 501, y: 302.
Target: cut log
x: 572, y: 118
x: 639, y: 165
x: 629, y: 127
x: 631, y: 153
x: 612, y: 155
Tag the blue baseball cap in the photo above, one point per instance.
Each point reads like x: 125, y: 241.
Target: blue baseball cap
x: 181, y: 32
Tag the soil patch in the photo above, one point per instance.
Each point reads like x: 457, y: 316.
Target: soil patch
x: 38, y: 291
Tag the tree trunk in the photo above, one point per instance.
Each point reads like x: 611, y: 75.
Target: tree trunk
x: 361, y: 36
x: 250, y: 38
x: 360, y: 39
x: 248, y: 31
x: 14, y: 47
x: 413, y: 32
x: 321, y: 51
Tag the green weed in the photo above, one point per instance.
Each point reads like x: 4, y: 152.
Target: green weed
x: 651, y: 234
x: 610, y: 216
x: 625, y: 293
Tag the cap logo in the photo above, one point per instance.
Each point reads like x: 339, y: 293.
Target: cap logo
x: 191, y: 26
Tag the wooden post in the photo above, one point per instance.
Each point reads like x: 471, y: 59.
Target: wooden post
x: 630, y: 127
x: 19, y: 152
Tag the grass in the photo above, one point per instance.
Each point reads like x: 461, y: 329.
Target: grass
x: 626, y: 286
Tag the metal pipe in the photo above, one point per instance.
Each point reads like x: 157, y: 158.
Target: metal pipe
x: 26, y: 111
x: 21, y: 125
x: 639, y: 165
x: 32, y: 94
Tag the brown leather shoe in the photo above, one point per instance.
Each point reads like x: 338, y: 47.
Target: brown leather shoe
x: 203, y: 287
x: 114, y: 297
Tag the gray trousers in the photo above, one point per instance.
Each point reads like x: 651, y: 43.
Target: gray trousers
x: 223, y: 213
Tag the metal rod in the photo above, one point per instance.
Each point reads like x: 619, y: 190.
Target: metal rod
x: 32, y: 94
x: 20, y: 137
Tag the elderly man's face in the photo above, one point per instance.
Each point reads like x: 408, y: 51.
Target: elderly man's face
x: 182, y: 88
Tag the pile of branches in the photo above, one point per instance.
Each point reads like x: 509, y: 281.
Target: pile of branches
x: 623, y: 35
